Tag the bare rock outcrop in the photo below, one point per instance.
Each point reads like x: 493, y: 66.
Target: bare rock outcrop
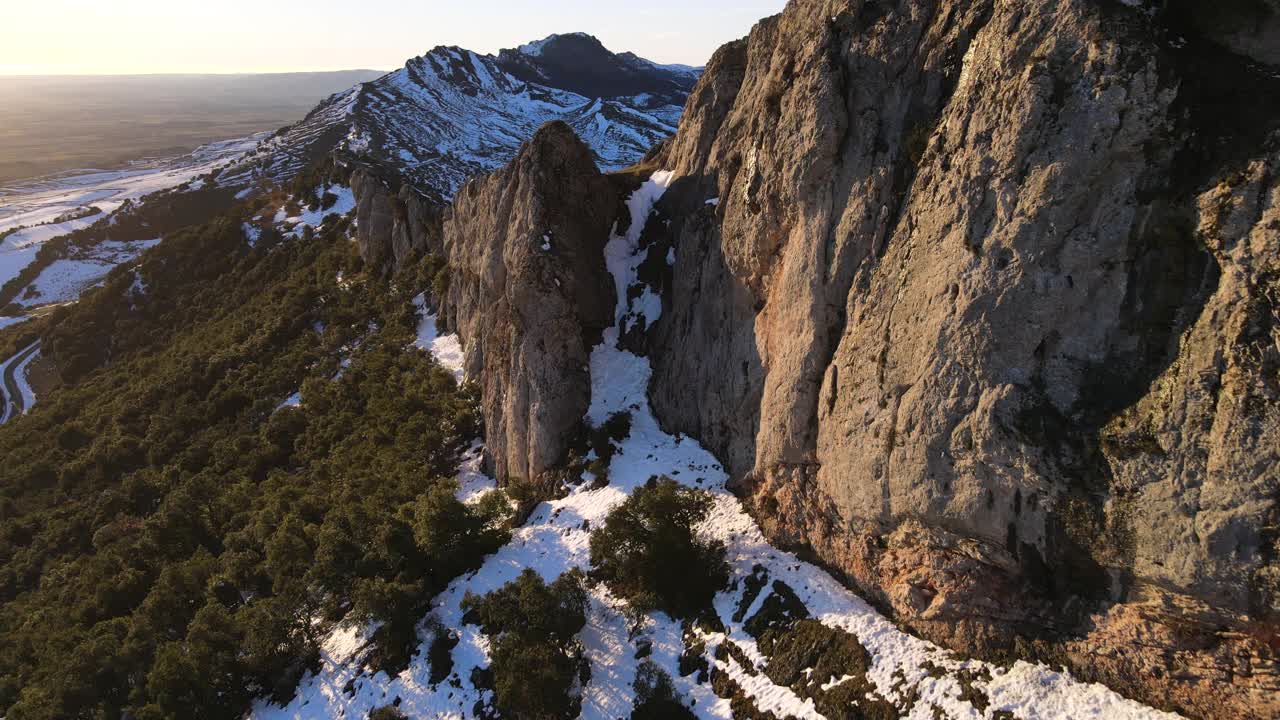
x: 979, y: 302
x: 393, y: 224
x: 529, y: 294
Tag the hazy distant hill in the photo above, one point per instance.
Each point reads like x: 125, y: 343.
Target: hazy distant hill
x: 54, y: 123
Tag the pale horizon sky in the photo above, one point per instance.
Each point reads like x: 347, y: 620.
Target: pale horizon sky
x: 82, y: 37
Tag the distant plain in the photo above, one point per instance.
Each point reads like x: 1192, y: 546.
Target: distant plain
x: 53, y: 124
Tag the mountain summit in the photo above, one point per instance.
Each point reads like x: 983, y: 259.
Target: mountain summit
x: 580, y: 63
x: 453, y: 113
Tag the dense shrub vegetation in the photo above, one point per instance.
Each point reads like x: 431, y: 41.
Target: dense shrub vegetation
x: 656, y: 697
x: 173, y: 543
x: 649, y: 552
x: 537, y: 661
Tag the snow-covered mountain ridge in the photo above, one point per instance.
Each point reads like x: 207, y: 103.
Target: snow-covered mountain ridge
x: 453, y: 113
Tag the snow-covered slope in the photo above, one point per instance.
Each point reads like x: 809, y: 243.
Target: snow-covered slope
x: 453, y: 113
x: 922, y: 681
x: 36, y: 211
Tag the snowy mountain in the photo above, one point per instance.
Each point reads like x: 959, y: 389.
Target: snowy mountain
x: 886, y: 388
x: 442, y: 118
x: 453, y: 113
x: 579, y: 63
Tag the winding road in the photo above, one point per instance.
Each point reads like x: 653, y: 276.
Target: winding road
x: 14, y: 397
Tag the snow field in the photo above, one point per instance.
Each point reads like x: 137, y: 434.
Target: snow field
x: 64, y: 280
x: 42, y: 200
x: 20, y: 248
x: 35, y: 205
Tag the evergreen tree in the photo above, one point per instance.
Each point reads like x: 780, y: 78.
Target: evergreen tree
x: 537, y: 659
x: 649, y: 552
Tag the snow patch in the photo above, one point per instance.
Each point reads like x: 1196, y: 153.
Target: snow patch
x: 64, y: 280
x: 623, y: 259
x: 252, y: 234
x: 138, y: 289
x: 473, y: 484
x: 447, y: 349
x: 345, y: 203
x: 294, y: 400
x: 7, y: 321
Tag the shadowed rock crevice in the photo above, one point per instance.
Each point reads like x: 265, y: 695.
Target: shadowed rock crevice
x: 1248, y: 27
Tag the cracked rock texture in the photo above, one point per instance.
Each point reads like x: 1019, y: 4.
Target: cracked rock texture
x: 529, y: 295
x: 393, y: 225
x: 987, y: 317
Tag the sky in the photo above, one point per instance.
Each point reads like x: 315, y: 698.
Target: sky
x: 92, y: 37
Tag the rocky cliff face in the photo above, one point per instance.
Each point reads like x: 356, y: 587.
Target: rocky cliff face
x: 529, y: 294
x: 979, y: 301
x: 393, y: 225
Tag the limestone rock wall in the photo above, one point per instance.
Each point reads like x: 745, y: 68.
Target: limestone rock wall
x: 984, y: 314
x: 393, y: 225
x: 530, y: 295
